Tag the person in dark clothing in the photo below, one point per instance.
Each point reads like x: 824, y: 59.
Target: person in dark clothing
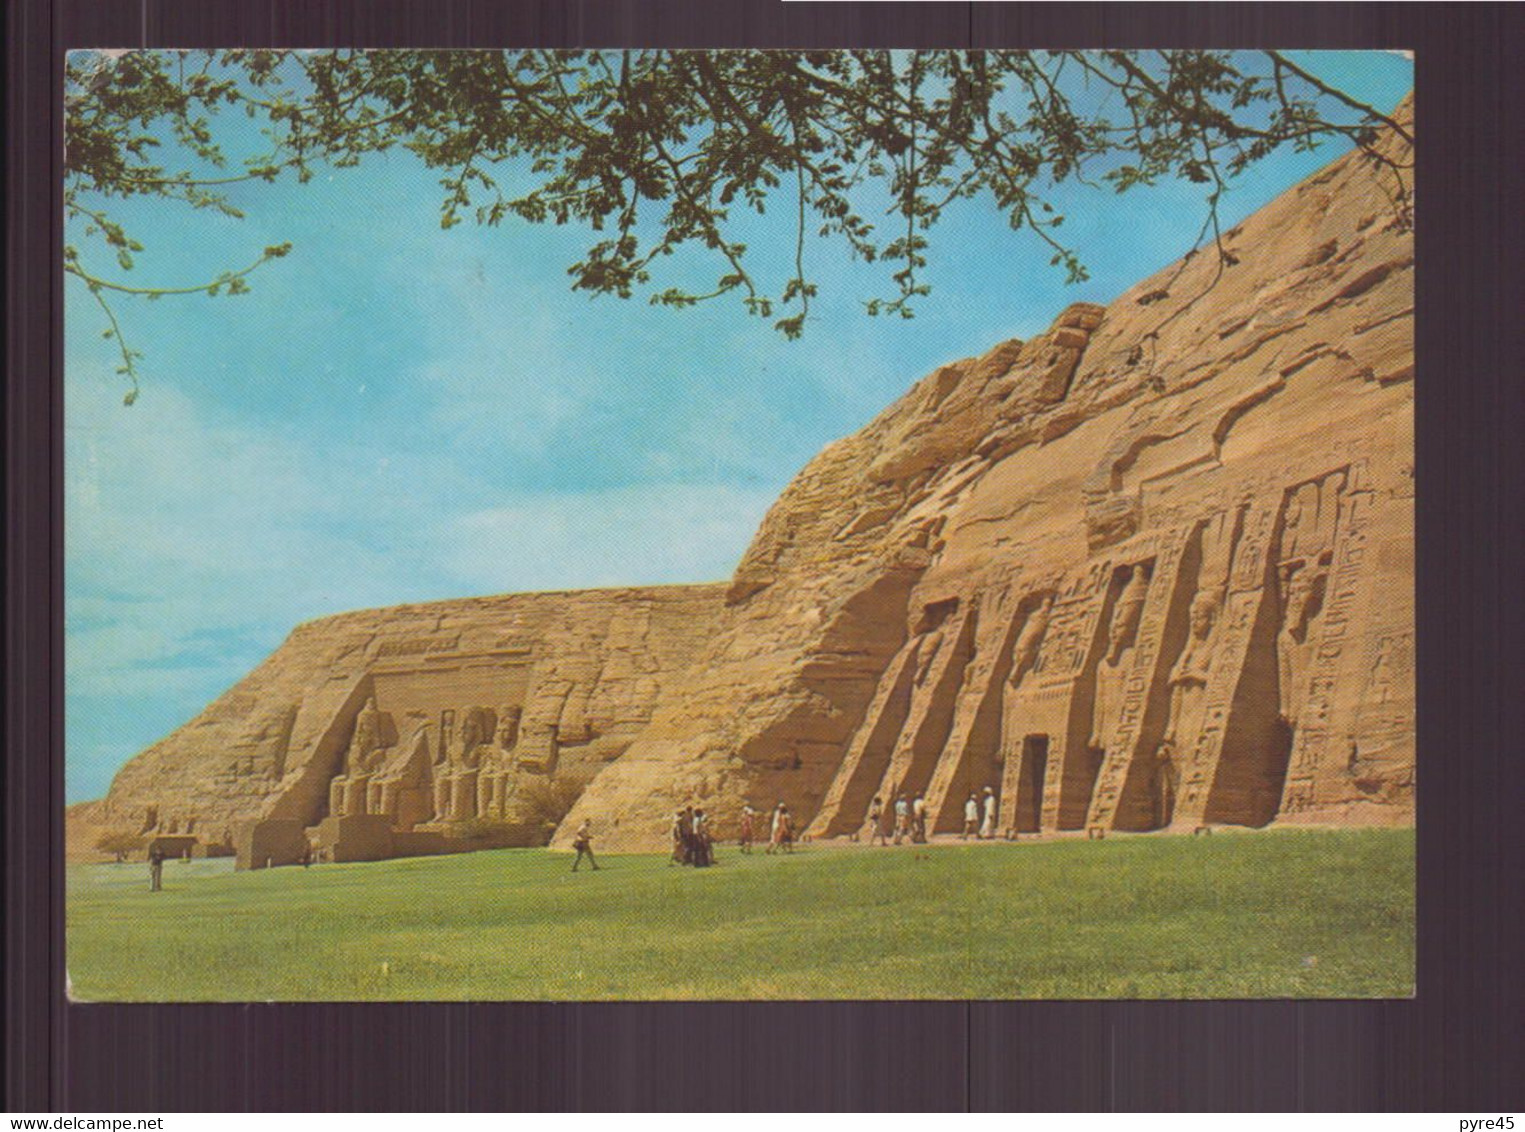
x: 679, y: 837
x: 155, y: 869
x: 703, y: 847
x: 686, y: 832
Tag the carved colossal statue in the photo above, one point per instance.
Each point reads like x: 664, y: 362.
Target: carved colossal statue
x: 1112, y: 672
x: 1188, y: 696
x: 401, y: 774
x: 495, y: 776
x: 508, y: 727
x: 367, y: 736
x: 926, y: 653
x: 468, y: 751
x: 488, y: 777
x: 349, y: 791
x: 382, y: 798
x: 1024, y: 654
x: 1294, y: 642
x: 1188, y: 679
x: 455, y: 781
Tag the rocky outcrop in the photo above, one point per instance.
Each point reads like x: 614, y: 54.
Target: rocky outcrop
x: 1152, y: 569
x: 420, y: 714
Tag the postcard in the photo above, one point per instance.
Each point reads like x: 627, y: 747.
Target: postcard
x: 739, y: 525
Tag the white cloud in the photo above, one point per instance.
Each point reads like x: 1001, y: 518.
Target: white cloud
x: 193, y: 545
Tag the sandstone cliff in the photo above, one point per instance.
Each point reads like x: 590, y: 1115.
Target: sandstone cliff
x: 1153, y: 569
x: 501, y: 689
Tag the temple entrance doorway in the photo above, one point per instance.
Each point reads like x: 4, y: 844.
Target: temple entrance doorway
x: 1028, y: 806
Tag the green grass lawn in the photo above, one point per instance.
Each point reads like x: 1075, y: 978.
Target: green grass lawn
x: 1278, y: 914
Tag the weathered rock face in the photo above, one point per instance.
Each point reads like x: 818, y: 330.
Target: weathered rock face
x: 421, y: 713
x: 1153, y: 569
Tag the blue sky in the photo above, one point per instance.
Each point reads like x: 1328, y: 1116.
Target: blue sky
x: 398, y: 413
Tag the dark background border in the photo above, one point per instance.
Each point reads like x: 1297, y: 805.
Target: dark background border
x: 1456, y: 1047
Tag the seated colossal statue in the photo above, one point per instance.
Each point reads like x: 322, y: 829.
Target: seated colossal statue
x: 496, y: 778
x: 349, y: 791
x: 399, y: 786
x: 456, y: 775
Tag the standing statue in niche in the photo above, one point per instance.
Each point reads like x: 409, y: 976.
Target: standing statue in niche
x: 348, y: 791
x: 1024, y: 654
x: 926, y: 653
x: 1295, y: 641
x: 1307, y: 542
x: 1188, y: 679
x: 1112, y: 672
x: 1188, y: 696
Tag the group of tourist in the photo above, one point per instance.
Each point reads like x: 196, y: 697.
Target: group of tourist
x: 692, y: 840
x: 781, y: 835
x: 906, y: 820
x: 980, y: 816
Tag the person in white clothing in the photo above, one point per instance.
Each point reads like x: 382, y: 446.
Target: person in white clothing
x: 971, y: 816
x: 987, y: 825
x: 782, y: 839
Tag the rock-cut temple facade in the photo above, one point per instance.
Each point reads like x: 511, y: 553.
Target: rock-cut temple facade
x: 1150, y: 570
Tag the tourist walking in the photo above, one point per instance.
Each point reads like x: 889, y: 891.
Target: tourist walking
x: 971, y: 816
x: 703, y: 846
x: 155, y: 869
x: 583, y: 843
x: 987, y: 823
x: 782, y: 839
x: 875, y: 821
x: 919, y: 820
x: 679, y: 838
x: 902, y: 818
x: 690, y: 843
x: 748, y: 816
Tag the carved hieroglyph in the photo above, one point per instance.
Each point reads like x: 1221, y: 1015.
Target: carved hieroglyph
x: 1150, y: 568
